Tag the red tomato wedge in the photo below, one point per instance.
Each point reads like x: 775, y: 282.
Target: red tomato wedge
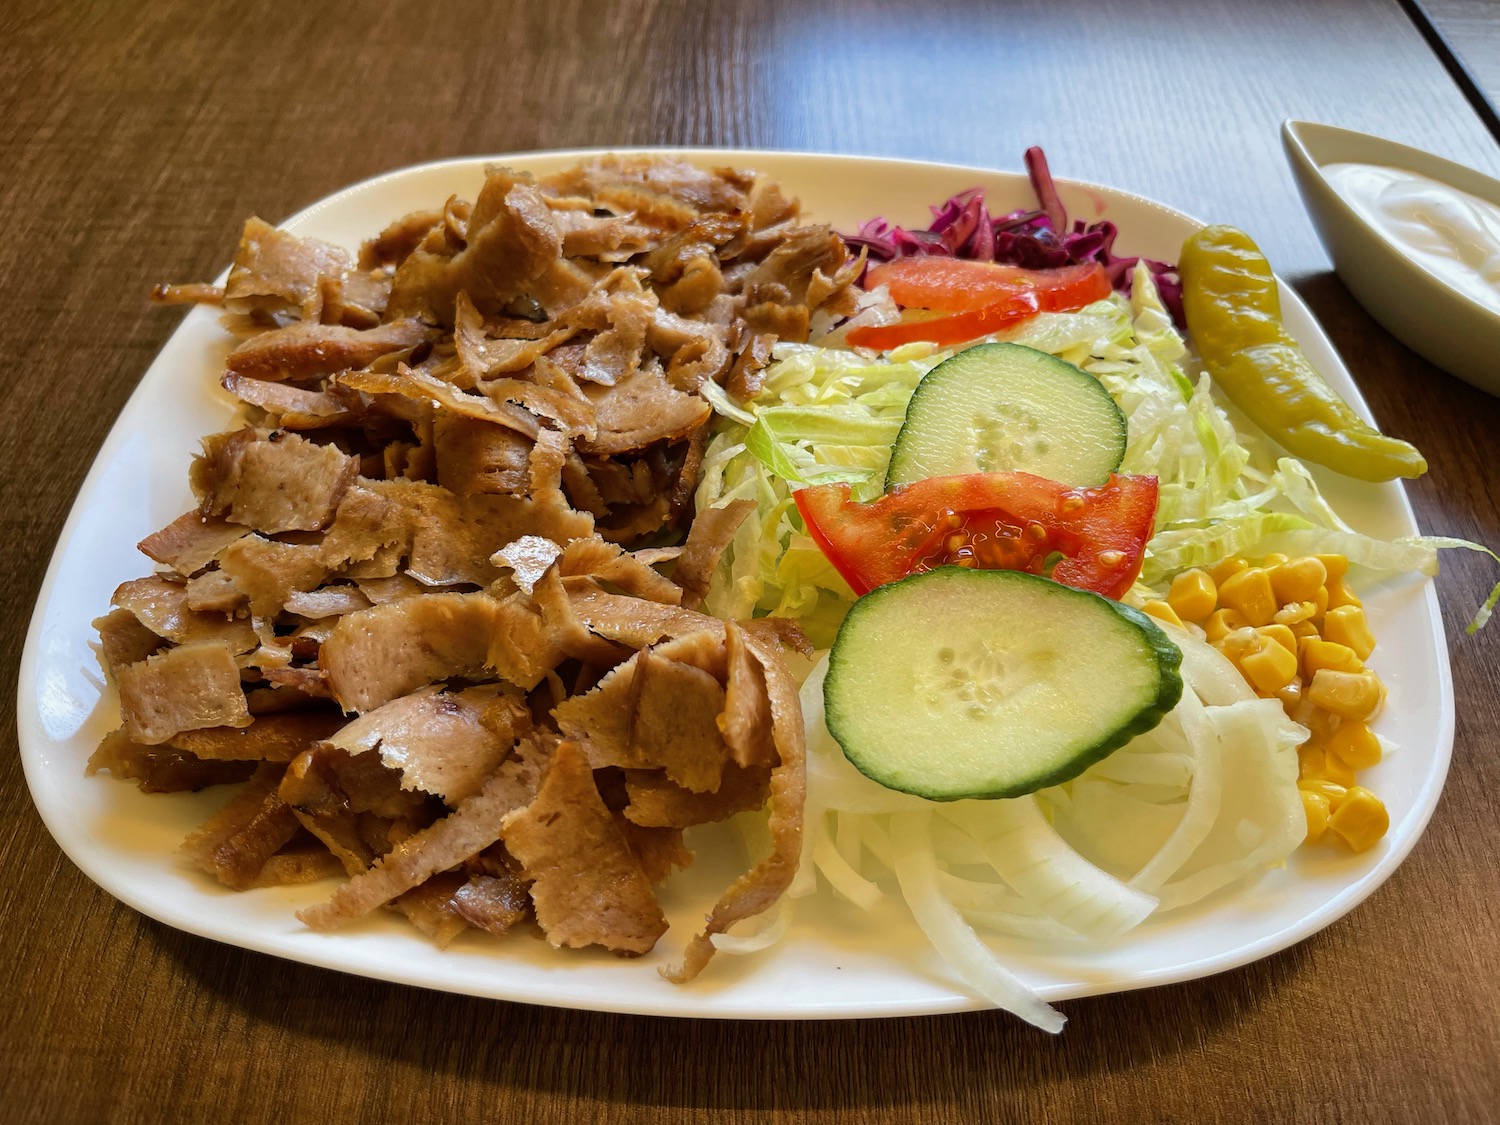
x: 960, y: 285
x: 990, y: 521
x: 984, y: 297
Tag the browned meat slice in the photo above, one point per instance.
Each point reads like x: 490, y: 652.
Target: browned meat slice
x: 495, y: 903
x: 587, y: 886
x: 363, y: 524
x: 379, y: 654
x: 162, y: 606
x: 275, y: 271
x: 747, y: 376
x: 704, y: 650
x: 161, y: 769
x: 268, y: 573
x: 123, y: 639
x: 483, y: 355
x: 422, y: 387
x: 330, y: 601
x: 293, y: 408
x: 569, y: 408
x: 280, y: 482
x: 213, y: 591
x: 568, y: 633
x: 528, y: 558
x: 793, y: 262
x: 712, y: 531
x: 304, y: 351
x: 396, y: 242
x: 474, y: 456
x: 637, y: 622
x: 696, y: 242
x: 187, y: 687
x: 747, y: 721
x: 652, y: 713
x: 768, y: 880
x: 190, y: 542
x: 660, y: 192
x: 193, y: 293
x: 445, y: 743
x: 523, y: 647
x: 304, y: 862
x: 432, y: 909
x: 512, y: 243
x: 470, y: 828
x: 234, y: 844
x: 609, y: 237
x: 659, y: 851
x: 640, y: 409
x: 358, y: 299
x: 608, y: 563
x: 382, y: 590
x: 656, y: 802
x: 270, y: 738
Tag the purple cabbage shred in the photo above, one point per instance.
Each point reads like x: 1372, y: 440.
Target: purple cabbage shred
x: 962, y: 227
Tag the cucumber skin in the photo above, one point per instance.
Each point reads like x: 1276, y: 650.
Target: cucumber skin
x: 895, y: 473
x: 1169, y: 692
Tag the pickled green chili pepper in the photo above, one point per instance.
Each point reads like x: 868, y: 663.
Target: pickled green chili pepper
x: 1234, y: 318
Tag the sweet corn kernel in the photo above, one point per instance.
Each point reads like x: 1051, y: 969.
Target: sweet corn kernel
x: 1336, y: 565
x: 1249, y: 591
x: 1193, y: 595
x: 1221, y: 623
x: 1291, y: 695
x: 1223, y: 569
x: 1320, y: 601
x: 1234, y: 645
x: 1298, y: 580
x: 1356, y: 745
x: 1315, y: 808
x: 1162, y: 612
x: 1350, y: 695
x: 1336, y: 770
x: 1270, y: 666
x: 1330, y: 791
x: 1302, y: 629
x: 1293, y: 612
x: 1322, y: 723
x: 1273, y: 560
x: 1312, y: 756
x: 1360, y: 819
x: 1281, y: 635
x: 1340, y: 594
x: 1347, y: 625
x: 1316, y: 654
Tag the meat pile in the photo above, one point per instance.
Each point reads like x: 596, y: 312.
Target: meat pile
x: 437, y: 606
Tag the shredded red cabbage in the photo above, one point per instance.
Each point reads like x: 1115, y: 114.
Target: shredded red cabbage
x: 963, y: 228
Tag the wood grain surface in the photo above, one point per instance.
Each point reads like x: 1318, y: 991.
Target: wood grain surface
x: 1466, y: 33
x: 136, y: 138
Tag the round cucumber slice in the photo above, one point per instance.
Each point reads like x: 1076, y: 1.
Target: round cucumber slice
x: 1004, y: 408
x: 963, y: 683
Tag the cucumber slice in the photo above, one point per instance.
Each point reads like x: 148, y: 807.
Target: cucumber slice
x: 1006, y: 407
x: 963, y: 683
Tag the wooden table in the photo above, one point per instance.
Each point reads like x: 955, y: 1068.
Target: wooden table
x: 135, y: 140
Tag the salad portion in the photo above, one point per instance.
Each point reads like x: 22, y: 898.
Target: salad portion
x: 1168, y: 685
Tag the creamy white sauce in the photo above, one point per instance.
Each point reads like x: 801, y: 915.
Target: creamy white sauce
x: 1453, y: 234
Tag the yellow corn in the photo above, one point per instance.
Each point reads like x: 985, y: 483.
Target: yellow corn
x: 1315, y: 808
x: 1291, y: 695
x: 1249, y: 591
x: 1355, y: 744
x: 1347, y: 625
x: 1294, y: 612
x: 1298, y: 580
x: 1360, y: 819
x: 1349, y: 695
x: 1227, y: 567
x: 1221, y: 623
x: 1331, y: 791
x: 1335, y: 565
x: 1302, y: 629
x: 1282, y: 635
x: 1336, y: 770
x: 1193, y: 595
x: 1162, y: 612
x: 1317, y: 654
x: 1320, y: 601
x: 1273, y: 560
x: 1340, y: 594
x: 1269, y: 666
x: 1312, y: 756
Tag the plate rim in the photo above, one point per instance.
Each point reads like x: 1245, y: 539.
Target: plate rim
x: 29, y: 730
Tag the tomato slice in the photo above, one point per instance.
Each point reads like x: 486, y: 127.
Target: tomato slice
x: 1000, y: 521
x: 1008, y: 295
x: 959, y: 285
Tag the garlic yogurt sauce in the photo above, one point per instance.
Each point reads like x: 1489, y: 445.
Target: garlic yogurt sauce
x: 1451, y: 233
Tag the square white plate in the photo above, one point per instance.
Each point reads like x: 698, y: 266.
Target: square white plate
x: 836, y: 961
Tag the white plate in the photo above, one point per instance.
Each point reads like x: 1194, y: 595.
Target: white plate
x: 836, y: 962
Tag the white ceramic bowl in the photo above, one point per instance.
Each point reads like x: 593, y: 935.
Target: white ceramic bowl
x: 1416, y: 306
